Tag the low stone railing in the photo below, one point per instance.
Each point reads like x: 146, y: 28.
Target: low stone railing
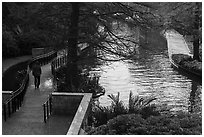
x: 77, y: 105
x: 80, y: 121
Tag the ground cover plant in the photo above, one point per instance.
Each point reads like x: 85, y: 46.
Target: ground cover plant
x: 141, y: 117
x: 137, y: 105
x: 88, y: 83
x: 135, y: 124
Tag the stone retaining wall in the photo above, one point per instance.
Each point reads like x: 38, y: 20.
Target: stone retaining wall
x: 65, y: 104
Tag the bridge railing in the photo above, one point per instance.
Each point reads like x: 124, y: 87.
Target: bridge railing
x: 56, y: 64
x: 47, y: 108
x: 14, y: 102
x: 59, y: 62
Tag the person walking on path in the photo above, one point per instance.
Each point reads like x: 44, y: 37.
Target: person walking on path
x: 36, y: 71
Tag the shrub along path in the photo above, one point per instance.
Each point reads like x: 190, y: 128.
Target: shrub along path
x: 29, y: 119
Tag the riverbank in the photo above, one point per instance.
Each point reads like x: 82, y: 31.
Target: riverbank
x: 188, y: 64
x: 180, y: 53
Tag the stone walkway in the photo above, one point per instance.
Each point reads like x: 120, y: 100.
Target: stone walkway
x: 29, y: 119
x: 176, y: 43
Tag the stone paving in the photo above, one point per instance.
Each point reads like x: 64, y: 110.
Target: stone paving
x: 29, y: 119
x: 176, y: 43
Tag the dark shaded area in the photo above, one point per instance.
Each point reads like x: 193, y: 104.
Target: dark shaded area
x: 65, y: 105
x: 12, y: 78
x: 188, y: 64
x: 149, y: 38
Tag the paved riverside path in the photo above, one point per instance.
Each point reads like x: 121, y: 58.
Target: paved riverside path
x: 7, y: 63
x: 29, y: 119
x: 176, y: 43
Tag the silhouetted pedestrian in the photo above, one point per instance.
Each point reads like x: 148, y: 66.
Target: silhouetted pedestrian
x: 36, y: 71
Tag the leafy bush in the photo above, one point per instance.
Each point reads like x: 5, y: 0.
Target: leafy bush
x: 88, y: 83
x: 135, y: 124
x: 137, y: 105
x: 188, y: 63
x: 141, y: 118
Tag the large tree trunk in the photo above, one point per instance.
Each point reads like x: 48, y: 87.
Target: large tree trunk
x: 196, y: 37
x: 72, y: 78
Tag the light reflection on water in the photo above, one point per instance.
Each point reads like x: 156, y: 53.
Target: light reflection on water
x: 151, y: 75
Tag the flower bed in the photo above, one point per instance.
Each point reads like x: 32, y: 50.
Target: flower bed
x: 188, y: 63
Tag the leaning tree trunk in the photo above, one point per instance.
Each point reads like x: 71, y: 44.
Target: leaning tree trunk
x: 196, y: 37
x: 72, y: 79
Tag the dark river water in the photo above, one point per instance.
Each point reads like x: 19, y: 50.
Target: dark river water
x: 151, y: 74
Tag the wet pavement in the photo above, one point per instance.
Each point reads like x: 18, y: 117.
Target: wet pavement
x: 29, y: 119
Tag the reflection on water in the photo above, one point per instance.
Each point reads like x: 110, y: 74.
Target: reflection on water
x: 151, y: 74
x: 195, y: 97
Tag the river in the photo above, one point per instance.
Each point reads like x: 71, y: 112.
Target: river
x: 150, y: 74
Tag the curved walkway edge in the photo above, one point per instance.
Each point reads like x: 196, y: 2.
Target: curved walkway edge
x: 7, y: 63
x: 176, y: 43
